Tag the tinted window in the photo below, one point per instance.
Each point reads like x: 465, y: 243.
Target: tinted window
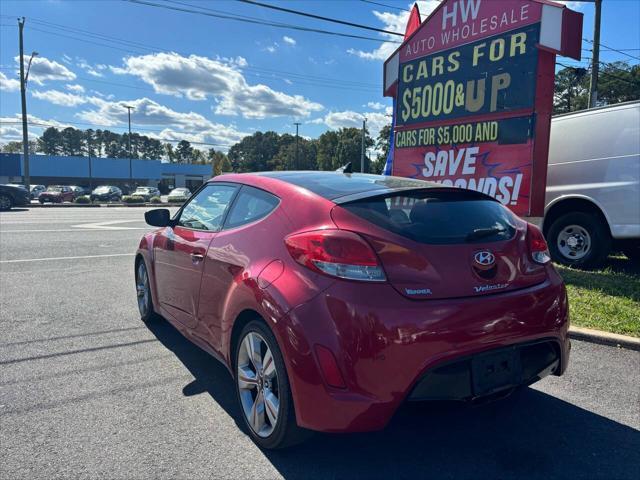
x: 252, y: 204
x: 206, y: 210
x: 332, y: 185
x: 438, y: 217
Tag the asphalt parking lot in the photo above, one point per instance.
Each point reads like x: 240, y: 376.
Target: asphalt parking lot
x: 88, y: 391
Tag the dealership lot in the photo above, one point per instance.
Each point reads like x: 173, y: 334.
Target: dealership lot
x: 87, y: 390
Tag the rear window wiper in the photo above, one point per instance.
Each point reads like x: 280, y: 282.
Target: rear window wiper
x: 483, y: 232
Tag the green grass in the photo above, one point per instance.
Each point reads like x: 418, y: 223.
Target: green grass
x: 606, y: 299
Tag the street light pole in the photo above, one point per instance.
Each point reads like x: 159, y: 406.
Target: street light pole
x: 23, y: 99
x: 129, y: 108
x: 595, y: 57
x: 364, y: 129
x: 297, y: 124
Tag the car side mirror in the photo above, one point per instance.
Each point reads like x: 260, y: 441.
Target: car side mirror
x: 158, y: 217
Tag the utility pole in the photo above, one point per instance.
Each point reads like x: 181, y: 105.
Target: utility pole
x: 595, y: 57
x: 129, y: 108
x: 23, y: 98
x: 364, y: 129
x: 297, y: 124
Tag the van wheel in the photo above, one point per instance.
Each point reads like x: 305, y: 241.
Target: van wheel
x: 579, y: 239
x: 5, y: 202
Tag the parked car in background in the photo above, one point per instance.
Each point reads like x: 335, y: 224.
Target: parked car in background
x: 146, y: 193
x: 57, y: 194
x: 179, y: 195
x: 36, y: 190
x: 593, y: 185
x: 78, y: 191
x: 106, y: 193
x: 334, y: 298
x: 12, y: 196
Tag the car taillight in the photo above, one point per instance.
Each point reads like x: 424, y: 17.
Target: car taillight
x: 337, y: 253
x: 537, y: 245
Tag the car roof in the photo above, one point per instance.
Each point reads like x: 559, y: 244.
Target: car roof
x: 347, y: 186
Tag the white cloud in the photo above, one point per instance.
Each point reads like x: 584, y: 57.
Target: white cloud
x: 148, y: 113
x: 394, y: 22
x: 75, y: 88
x: 349, y: 118
x: 9, y: 84
x: 376, y: 105
x: 289, y: 40
x: 199, y: 78
x: 11, y: 129
x: 60, y: 98
x: 43, y: 70
x: 93, y: 70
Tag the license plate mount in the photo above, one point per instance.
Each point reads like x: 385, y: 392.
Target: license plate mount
x: 495, y: 371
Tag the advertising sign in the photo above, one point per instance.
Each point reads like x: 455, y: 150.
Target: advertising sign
x: 473, y: 97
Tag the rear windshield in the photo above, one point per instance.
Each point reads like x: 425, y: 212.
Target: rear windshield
x: 438, y: 217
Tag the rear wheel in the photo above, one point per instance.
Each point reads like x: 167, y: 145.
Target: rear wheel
x: 263, y: 391
x: 579, y: 239
x: 143, y: 293
x: 5, y: 202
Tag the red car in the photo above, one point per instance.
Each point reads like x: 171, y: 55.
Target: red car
x: 57, y: 194
x: 332, y: 298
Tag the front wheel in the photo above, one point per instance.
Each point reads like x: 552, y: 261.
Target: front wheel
x: 579, y: 239
x: 143, y: 293
x: 5, y: 202
x: 263, y: 389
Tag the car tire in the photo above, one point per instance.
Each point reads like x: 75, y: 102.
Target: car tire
x: 284, y: 432
x: 579, y: 239
x: 633, y: 252
x: 41, y: 201
x: 6, y: 202
x: 143, y: 293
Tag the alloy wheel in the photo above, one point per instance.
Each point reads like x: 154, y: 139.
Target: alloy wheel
x: 257, y: 379
x: 5, y: 202
x: 142, y: 289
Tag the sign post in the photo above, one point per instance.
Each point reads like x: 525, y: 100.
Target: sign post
x: 473, y: 95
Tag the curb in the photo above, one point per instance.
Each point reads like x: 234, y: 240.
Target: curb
x: 604, y: 338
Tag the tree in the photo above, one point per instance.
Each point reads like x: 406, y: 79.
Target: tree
x: 184, y: 152
x: 255, y: 153
x: 382, y: 145
x: 50, y: 142
x: 169, y: 153
x: 16, y: 147
x: 617, y: 82
x: 72, y: 142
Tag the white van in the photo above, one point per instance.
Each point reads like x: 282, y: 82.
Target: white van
x: 593, y: 185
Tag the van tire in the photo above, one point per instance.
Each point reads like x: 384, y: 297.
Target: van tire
x: 599, y: 239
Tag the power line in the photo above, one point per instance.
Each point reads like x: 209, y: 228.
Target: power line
x: 602, y: 72
x: 318, y: 17
x: 208, y: 13
x: 612, y: 49
x: 312, y: 80
x: 385, y: 5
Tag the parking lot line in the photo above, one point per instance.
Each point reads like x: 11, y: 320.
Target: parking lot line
x: 20, y: 260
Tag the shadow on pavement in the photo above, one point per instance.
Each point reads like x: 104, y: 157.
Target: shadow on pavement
x: 529, y: 435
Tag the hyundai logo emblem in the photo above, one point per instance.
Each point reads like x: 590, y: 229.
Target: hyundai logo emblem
x: 484, y: 259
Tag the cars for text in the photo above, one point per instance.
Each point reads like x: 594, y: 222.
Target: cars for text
x: 332, y: 298
x: 13, y: 196
x: 57, y: 194
x: 106, y: 193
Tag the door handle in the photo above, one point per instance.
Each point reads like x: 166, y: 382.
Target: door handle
x: 197, y: 257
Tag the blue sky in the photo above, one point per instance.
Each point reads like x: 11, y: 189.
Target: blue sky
x: 213, y: 80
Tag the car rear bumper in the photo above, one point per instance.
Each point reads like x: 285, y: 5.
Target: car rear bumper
x: 391, y: 349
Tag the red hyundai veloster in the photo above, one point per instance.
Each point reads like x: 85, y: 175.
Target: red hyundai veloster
x: 332, y: 298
